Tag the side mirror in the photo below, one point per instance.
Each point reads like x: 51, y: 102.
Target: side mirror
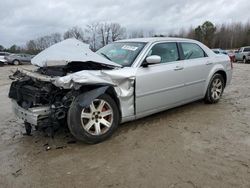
x: 153, y: 59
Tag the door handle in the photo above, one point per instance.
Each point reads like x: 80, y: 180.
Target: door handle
x: 209, y: 63
x: 177, y: 68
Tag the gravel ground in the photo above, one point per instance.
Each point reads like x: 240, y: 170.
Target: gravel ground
x: 196, y: 145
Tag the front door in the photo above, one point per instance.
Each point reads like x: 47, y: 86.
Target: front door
x: 160, y: 85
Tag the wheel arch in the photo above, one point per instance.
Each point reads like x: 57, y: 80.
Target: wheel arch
x: 15, y: 60
x: 219, y: 69
x: 89, y: 92
x: 223, y: 74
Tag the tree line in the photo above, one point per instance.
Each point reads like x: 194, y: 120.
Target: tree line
x: 225, y: 36
x: 99, y: 34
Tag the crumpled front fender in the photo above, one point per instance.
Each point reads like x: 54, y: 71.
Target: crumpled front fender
x: 85, y: 99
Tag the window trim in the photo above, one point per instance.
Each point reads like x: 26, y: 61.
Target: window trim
x: 182, y: 51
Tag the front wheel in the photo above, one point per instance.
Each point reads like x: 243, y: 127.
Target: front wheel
x: 215, y: 89
x: 96, y: 122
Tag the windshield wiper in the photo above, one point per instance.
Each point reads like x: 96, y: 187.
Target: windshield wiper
x: 107, y: 57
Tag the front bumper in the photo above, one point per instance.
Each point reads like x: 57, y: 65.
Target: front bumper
x: 33, y: 115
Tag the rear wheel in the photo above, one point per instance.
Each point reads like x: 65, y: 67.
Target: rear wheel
x: 244, y: 60
x: 16, y: 62
x: 96, y: 122
x: 215, y: 89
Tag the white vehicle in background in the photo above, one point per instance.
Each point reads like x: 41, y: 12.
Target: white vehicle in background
x: 243, y: 54
x: 2, y: 58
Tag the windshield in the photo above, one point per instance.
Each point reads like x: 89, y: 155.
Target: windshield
x: 123, y: 53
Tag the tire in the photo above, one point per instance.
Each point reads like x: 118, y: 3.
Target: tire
x: 28, y: 128
x: 16, y: 62
x: 215, y: 89
x: 244, y: 60
x: 90, y: 124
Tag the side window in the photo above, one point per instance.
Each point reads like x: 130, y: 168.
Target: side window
x: 246, y: 49
x: 192, y: 51
x: 167, y: 51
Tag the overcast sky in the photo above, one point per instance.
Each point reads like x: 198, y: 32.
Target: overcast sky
x: 22, y: 20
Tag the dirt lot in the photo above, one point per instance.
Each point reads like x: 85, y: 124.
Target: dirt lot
x: 196, y: 145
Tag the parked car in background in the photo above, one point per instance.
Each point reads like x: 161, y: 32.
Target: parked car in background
x: 129, y: 79
x: 219, y: 51
x: 231, y: 54
x: 243, y: 54
x: 225, y: 52
x: 17, y: 59
x: 2, y: 58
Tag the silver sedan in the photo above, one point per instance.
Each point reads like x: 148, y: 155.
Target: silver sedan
x: 123, y: 81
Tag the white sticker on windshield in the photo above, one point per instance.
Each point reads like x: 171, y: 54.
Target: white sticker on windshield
x: 127, y: 47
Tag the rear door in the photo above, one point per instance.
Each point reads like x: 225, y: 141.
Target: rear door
x: 197, y: 66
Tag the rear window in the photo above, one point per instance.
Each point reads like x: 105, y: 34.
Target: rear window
x: 192, y: 51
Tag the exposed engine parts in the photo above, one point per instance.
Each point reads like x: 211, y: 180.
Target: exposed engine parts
x: 30, y: 94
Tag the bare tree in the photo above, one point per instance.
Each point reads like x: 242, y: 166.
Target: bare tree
x: 117, y: 31
x: 56, y: 37
x: 104, y: 30
x: 41, y: 43
x: 92, y: 31
x: 74, y: 32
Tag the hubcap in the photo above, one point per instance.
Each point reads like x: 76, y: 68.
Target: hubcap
x: 97, y: 118
x: 216, y: 90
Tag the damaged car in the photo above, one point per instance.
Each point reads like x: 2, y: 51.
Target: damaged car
x: 92, y: 93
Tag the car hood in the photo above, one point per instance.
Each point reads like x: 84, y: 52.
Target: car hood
x: 67, y: 51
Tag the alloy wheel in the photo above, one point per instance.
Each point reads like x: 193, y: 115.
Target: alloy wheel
x: 217, y: 88
x: 97, y: 118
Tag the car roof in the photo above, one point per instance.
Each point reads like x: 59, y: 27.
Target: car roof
x: 157, y: 39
